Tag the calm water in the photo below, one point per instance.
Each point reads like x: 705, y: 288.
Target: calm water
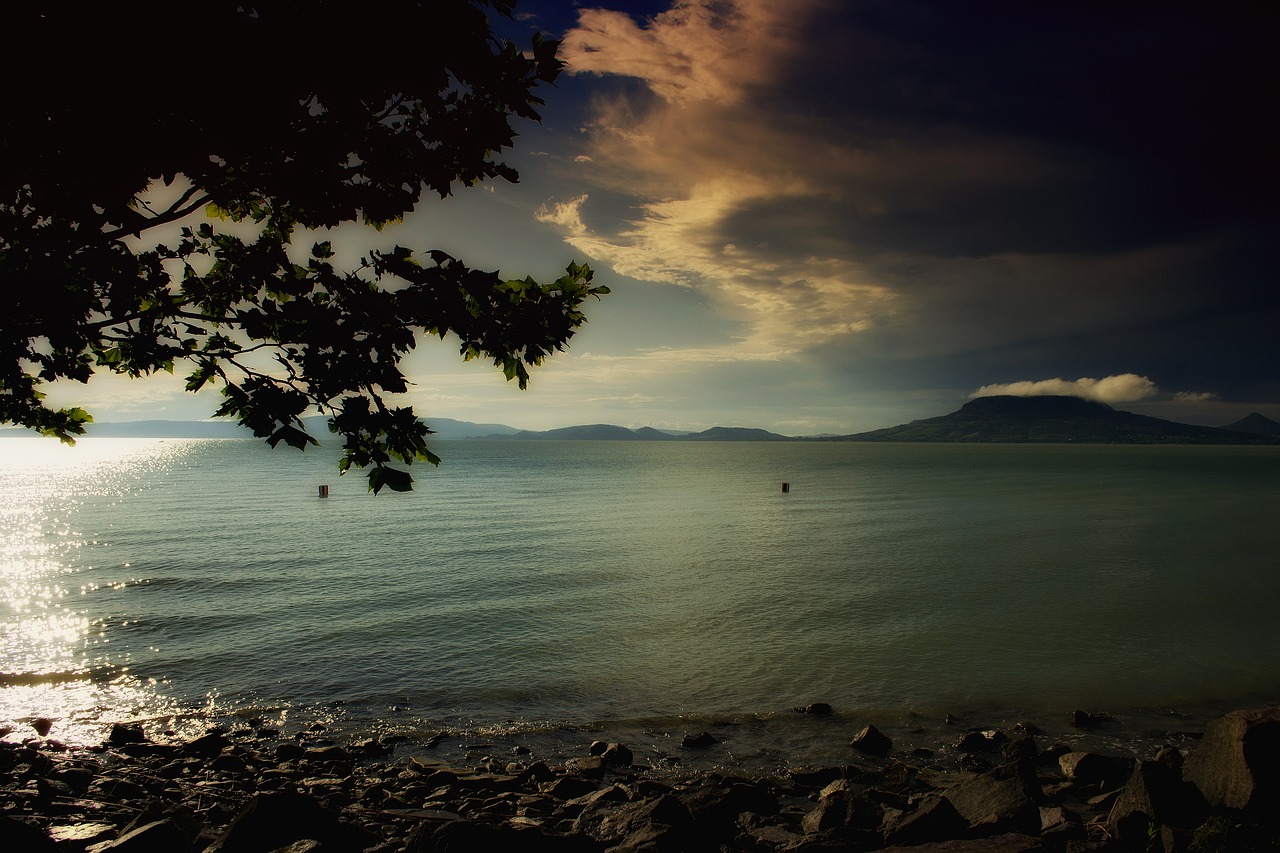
x: 643, y: 588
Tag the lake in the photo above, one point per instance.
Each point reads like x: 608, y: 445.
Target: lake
x: 548, y: 590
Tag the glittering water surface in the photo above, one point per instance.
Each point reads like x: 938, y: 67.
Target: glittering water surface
x: 539, y: 585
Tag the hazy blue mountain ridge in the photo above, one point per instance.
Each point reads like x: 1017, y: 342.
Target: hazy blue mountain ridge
x: 1060, y: 420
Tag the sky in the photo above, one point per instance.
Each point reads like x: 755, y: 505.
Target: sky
x: 831, y: 216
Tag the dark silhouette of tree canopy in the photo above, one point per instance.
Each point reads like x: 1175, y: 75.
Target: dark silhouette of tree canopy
x: 284, y: 116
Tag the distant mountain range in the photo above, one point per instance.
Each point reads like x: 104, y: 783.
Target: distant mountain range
x: 609, y: 432
x: 1045, y: 420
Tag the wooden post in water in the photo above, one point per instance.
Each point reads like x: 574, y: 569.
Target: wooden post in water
x: 324, y: 491
x: 786, y: 488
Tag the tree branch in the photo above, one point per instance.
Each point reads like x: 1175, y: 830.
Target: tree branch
x: 173, y: 214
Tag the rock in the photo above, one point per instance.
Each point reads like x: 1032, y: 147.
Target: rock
x: 51, y: 788
x: 1051, y: 753
x: 229, y: 764
x: 775, y: 838
x: 77, y: 778
x: 1008, y: 843
x: 42, y: 725
x: 465, y: 836
x: 535, y: 774
x: 207, y: 746
x: 840, y: 808
x: 1106, y: 772
x: 666, y: 813
x: 1021, y: 752
x: 933, y: 819
x: 120, y: 789
x: 701, y: 741
x: 816, y: 778
x: 817, y: 709
x: 1172, y: 758
x: 329, y: 753
x: 591, y: 766
x: 617, y: 755
x: 1058, y: 822
x: 997, y: 801
x: 611, y: 794
x: 161, y: 836
x: 126, y: 733
x: 898, y: 777
x: 1085, y: 720
x: 1155, y: 795
x: 568, y: 787
x: 717, y: 807
x: 78, y: 836
x: 978, y: 741
x: 18, y: 835
x: 277, y: 819
x: 288, y: 751
x: 871, y: 741
x: 1237, y: 762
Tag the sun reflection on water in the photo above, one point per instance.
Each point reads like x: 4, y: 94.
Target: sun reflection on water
x: 55, y: 660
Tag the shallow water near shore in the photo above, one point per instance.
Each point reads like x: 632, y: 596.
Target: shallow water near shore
x: 548, y: 593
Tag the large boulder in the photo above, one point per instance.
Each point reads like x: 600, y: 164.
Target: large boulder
x: 665, y: 817
x: 1155, y: 795
x: 932, y: 819
x: 999, y: 800
x: 279, y: 818
x: 716, y: 806
x: 1237, y: 763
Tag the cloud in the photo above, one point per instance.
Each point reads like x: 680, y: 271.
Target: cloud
x: 1122, y: 388
x: 565, y: 214
x: 921, y: 182
x: 1194, y: 397
x: 703, y: 50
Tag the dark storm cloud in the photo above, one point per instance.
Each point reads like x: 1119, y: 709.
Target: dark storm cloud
x: 1149, y: 120
x: 955, y: 193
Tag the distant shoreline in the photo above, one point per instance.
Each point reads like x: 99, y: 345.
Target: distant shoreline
x: 985, y: 420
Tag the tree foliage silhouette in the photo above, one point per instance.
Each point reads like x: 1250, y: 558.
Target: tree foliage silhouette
x: 153, y: 189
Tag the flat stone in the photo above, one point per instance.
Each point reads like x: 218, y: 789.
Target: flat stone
x: 161, y: 836
x: 81, y: 834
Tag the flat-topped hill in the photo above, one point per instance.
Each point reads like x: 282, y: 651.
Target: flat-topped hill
x: 1054, y: 419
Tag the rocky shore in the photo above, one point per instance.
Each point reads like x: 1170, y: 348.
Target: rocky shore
x: 250, y: 789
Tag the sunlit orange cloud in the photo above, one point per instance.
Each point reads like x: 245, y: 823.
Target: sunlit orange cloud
x: 698, y: 153
x: 696, y: 51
